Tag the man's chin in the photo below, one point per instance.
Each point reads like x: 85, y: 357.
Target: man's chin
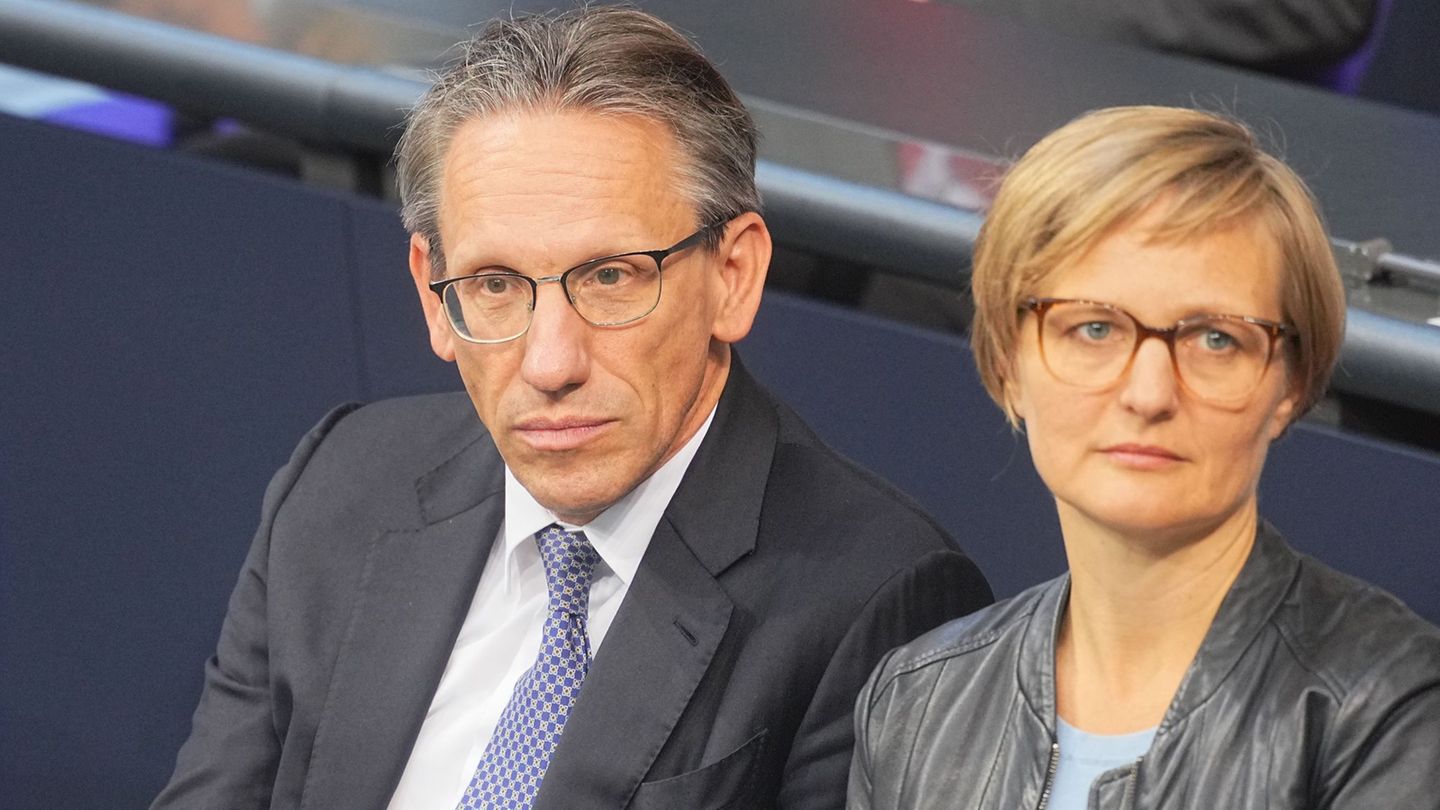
x: 572, y: 499
x: 582, y: 482
x: 573, y: 512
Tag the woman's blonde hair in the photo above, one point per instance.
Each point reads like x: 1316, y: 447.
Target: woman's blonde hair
x: 1106, y: 168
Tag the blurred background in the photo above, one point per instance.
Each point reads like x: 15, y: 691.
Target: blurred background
x: 200, y: 254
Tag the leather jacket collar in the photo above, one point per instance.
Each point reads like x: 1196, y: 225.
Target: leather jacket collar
x: 1260, y: 588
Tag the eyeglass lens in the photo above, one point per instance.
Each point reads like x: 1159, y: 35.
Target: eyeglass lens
x: 1217, y: 357
x: 490, y: 306
x: 615, y: 290
x: 497, y: 306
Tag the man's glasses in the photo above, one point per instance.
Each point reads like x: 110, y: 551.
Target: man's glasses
x: 1220, y: 358
x: 610, y: 291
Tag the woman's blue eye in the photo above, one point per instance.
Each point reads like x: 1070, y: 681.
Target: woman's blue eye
x: 1096, y: 330
x: 1217, y: 341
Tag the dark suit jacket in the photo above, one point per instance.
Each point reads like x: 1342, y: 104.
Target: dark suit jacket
x: 778, y: 577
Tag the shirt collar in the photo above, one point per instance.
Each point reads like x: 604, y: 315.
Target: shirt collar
x: 622, y: 532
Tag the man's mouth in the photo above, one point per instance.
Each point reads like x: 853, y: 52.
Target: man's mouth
x: 556, y: 435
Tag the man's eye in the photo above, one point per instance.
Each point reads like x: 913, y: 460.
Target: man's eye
x: 496, y: 285
x: 609, y: 275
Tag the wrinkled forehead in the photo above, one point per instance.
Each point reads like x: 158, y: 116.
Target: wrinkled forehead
x: 560, y: 178
x: 574, y: 129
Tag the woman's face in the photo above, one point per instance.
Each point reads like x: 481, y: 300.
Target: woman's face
x: 1144, y: 455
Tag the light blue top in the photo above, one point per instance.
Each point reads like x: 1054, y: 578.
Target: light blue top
x: 1084, y: 756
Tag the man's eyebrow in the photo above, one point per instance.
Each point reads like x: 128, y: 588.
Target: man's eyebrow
x: 452, y: 273
x: 477, y: 267
x: 467, y: 268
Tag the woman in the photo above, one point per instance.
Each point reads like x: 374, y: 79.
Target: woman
x: 1190, y: 658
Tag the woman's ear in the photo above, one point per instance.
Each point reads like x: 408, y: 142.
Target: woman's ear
x: 1012, y: 395
x: 1287, y: 410
x: 1013, y: 410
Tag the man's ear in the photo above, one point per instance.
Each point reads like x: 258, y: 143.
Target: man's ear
x: 745, y: 259
x: 442, y: 337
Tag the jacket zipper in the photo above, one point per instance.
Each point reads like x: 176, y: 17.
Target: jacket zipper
x: 1130, y: 784
x: 1049, y: 775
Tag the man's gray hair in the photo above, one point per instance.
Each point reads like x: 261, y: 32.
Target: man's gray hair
x: 606, y: 60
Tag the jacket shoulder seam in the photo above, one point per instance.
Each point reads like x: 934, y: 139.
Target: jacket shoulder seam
x: 949, y: 651
x: 1303, y: 660
x: 957, y: 647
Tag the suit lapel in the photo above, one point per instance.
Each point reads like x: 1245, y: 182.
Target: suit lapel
x: 416, y: 590
x: 657, y: 650
x: 674, y: 615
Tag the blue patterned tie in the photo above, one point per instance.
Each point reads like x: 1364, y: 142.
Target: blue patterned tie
x: 509, y: 773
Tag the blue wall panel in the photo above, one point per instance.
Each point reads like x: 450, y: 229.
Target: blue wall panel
x: 907, y: 403
x: 171, y: 327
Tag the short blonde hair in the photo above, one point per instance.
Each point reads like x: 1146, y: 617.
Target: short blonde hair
x: 1105, y: 169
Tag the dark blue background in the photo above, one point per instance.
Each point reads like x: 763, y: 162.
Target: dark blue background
x: 170, y: 327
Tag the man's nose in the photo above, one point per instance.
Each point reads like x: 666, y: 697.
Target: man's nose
x: 1151, y: 388
x: 555, y: 353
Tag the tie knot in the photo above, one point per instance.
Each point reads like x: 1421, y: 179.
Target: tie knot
x: 569, y: 567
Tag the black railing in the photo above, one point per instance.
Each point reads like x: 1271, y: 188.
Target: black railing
x: 359, y: 109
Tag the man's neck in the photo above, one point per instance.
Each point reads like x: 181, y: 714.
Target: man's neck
x: 622, y: 531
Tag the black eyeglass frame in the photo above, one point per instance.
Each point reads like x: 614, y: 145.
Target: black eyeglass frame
x: 658, y: 256
x: 1167, y: 334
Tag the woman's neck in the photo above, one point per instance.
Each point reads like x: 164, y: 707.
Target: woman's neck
x: 1139, y: 608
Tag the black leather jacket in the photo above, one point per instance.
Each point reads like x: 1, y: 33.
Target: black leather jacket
x: 1311, y: 690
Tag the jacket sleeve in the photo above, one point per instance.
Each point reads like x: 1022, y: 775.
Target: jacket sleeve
x: 938, y: 587
x: 230, y: 757
x: 1386, y: 753
x: 859, y: 795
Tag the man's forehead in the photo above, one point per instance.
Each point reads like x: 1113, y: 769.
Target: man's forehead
x: 518, y: 146
x: 521, y: 172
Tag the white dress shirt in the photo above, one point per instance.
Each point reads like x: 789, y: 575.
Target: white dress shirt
x: 500, y: 638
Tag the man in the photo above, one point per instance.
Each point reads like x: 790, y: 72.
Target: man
x: 637, y: 580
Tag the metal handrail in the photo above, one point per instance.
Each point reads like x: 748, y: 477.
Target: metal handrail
x: 360, y: 109
x: 311, y: 99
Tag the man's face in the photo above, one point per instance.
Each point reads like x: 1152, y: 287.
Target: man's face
x: 582, y: 414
